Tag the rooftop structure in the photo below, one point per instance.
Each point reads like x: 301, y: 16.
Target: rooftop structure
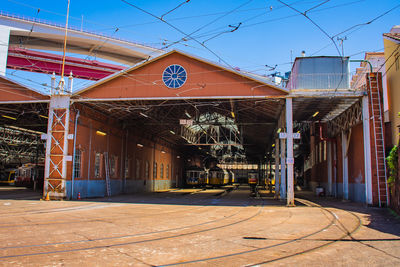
x: 323, y: 72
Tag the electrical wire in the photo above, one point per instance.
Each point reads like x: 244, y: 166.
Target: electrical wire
x: 313, y: 22
x: 177, y: 29
x: 368, y: 22
x: 209, y: 23
x: 175, y: 8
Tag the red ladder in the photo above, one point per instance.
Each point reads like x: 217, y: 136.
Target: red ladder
x: 380, y: 163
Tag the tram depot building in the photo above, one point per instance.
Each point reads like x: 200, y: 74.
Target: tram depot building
x: 138, y: 129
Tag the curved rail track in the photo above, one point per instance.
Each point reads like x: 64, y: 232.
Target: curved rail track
x: 338, y: 225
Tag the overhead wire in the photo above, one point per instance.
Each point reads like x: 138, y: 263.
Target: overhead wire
x: 313, y: 22
x: 175, y: 8
x: 358, y: 26
x: 177, y: 29
x: 368, y: 22
x: 208, y: 24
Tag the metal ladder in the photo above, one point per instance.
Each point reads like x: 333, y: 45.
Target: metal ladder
x: 380, y: 160
x: 107, y: 168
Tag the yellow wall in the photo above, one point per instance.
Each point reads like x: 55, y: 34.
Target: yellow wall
x: 393, y: 83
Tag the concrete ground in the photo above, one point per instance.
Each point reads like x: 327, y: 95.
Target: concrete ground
x: 192, y: 227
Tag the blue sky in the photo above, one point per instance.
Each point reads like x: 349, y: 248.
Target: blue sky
x: 269, y: 32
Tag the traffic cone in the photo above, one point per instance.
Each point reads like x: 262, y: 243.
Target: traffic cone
x: 47, y: 197
x: 79, y: 195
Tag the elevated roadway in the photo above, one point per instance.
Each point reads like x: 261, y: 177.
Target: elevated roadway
x: 28, y: 33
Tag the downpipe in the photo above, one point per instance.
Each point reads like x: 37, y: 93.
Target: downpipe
x: 73, y: 156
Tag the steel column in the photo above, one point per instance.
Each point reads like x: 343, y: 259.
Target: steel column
x: 329, y: 161
x: 57, y: 147
x: 345, y: 165
x: 277, y: 178
x: 283, y: 169
x: 367, y: 150
x: 289, y: 151
x: 4, y: 38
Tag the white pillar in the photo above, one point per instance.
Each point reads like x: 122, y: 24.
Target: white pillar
x: 289, y: 148
x: 329, y: 162
x: 277, y: 180
x: 367, y: 151
x: 345, y: 165
x: 4, y: 40
x: 283, y: 169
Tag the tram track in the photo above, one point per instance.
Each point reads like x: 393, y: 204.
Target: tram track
x: 332, y: 222
x: 201, y: 202
x: 130, y: 236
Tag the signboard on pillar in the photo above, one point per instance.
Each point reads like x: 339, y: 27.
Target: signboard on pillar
x: 289, y: 160
x: 286, y: 135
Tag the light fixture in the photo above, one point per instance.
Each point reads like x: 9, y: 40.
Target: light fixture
x: 178, y: 157
x: 139, y: 145
x: 9, y: 117
x: 172, y: 132
x: 233, y: 114
x: 23, y: 129
x: 187, y: 114
x: 273, y: 145
x: 315, y: 114
x: 101, y: 133
x: 144, y: 115
x: 43, y: 116
x: 163, y: 152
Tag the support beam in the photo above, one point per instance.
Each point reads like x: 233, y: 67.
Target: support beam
x: 283, y: 169
x: 57, y: 147
x: 329, y: 162
x: 345, y: 166
x: 277, y: 177
x: 290, y: 158
x: 367, y: 151
x: 4, y: 40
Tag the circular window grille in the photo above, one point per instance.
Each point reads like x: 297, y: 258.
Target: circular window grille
x: 174, y: 76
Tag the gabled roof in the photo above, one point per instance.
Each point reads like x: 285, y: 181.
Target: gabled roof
x: 13, y: 91
x: 255, y: 78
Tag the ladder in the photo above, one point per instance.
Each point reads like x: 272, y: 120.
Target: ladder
x: 107, y: 167
x: 380, y: 160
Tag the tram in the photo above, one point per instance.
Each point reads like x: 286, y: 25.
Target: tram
x: 7, y: 177
x: 218, y: 176
x: 30, y: 175
x: 196, y: 177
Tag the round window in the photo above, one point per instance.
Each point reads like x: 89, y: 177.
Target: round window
x: 174, y: 76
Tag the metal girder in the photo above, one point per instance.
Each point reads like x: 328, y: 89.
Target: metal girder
x: 57, y: 147
x: 18, y: 146
x: 346, y: 120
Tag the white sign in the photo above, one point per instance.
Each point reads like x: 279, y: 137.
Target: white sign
x: 70, y: 136
x: 286, y: 135
x: 186, y: 122
x: 296, y: 135
x: 290, y: 160
x: 282, y: 135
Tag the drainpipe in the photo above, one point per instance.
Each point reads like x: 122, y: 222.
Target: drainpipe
x: 73, y: 157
